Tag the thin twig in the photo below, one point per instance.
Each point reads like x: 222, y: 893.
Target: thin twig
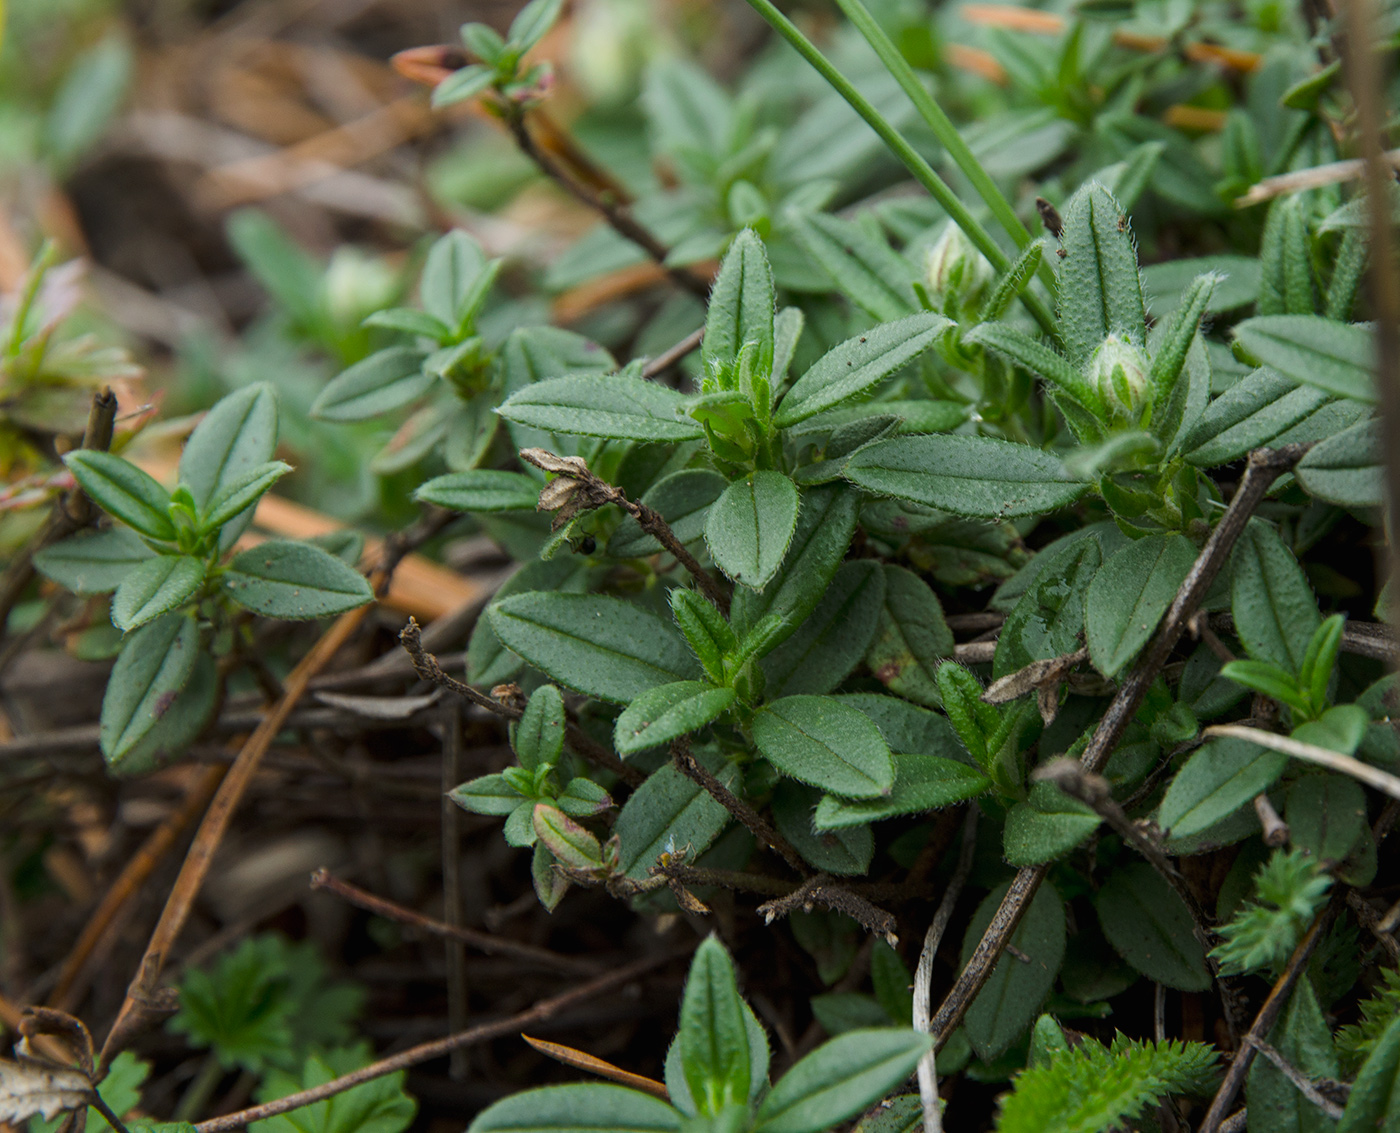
x: 1334, y: 761
x: 483, y: 941
x: 821, y: 890
x: 212, y: 829
x: 1096, y: 792
x: 1303, y: 1084
x: 430, y: 670
x: 1276, y: 832
x: 425, y: 1052
x: 668, y: 358
x: 577, y: 489
x: 698, y: 773
x: 618, y: 215
x: 400, y: 544
x: 1264, y: 467
x: 71, y: 512
x: 1372, y: 924
x: 456, y: 950
x: 923, y: 974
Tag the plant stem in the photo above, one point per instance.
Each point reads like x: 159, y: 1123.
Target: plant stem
x: 942, y: 127
x: 922, y: 171
x: 200, y: 1089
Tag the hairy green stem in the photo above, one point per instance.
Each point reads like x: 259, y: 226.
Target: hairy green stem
x: 913, y: 161
x: 942, y: 127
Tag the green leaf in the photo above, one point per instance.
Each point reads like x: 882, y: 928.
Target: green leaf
x: 382, y: 382
x: 619, y: 406
x: 119, y: 487
x: 708, y: 634
x: 662, y: 714
x: 1048, y: 825
x: 1315, y: 673
x: 1168, y: 282
x: 481, y: 490
x: 713, y: 1032
x: 1130, y: 594
x: 589, y: 1107
x: 464, y: 84
x: 921, y: 783
x: 410, y: 321
x: 484, y: 42
x: 834, y: 638
x: 974, y: 476
x: 1375, y: 1095
x: 1335, y: 357
x: 283, y: 579
x: 1100, y: 291
x: 278, y: 263
x: 1285, y: 267
x: 683, y: 499
x: 1304, y: 1039
x: 1049, y: 617
x: 237, y: 435
x: 532, y: 21
x: 1268, y: 678
x: 93, y: 90
x: 1221, y: 776
x: 741, y: 308
x: 825, y: 525
x: 1150, y: 927
x: 847, y: 851
x: 156, y: 587
x: 376, y: 1106
x: 864, y: 267
x: 840, y: 1078
x: 1181, y: 328
x: 93, y: 562
x: 911, y: 639
x: 242, y: 493
x: 826, y: 743
x: 539, y: 735
x: 1346, y: 469
x: 599, y: 645
x: 571, y: 843
x: 1259, y: 407
x: 1326, y: 815
x: 749, y: 527
x: 1018, y: 346
x: 155, y: 663
x: 488, y: 661
x: 670, y: 812
x: 1273, y: 605
x: 859, y: 364
x: 1011, y: 997
x: 1012, y: 282
x: 486, y: 794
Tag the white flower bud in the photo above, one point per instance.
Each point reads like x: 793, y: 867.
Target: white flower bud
x: 356, y: 284
x: 955, y: 267
x: 1119, y: 370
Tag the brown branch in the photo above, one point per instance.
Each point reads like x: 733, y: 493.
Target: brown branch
x: 398, y: 545
x: 71, y: 513
x: 134, y: 1010
x: 430, y: 670
x: 483, y: 941
x: 697, y: 773
x: 1372, y: 924
x: 577, y: 489
x: 618, y: 215
x: 1096, y: 792
x: 668, y: 358
x: 819, y: 890
x: 1276, y: 832
x: 1264, y: 467
x: 1301, y: 1081
x: 425, y: 1052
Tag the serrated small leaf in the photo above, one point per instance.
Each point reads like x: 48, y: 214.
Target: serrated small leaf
x: 981, y: 477
x: 1375, y: 1095
x: 748, y: 529
x: 821, y: 741
x: 283, y: 579
x: 662, y: 714
x: 156, y: 587
x: 619, y: 406
x: 382, y: 382
x: 857, y: 365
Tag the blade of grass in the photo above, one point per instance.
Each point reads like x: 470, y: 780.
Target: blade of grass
x: 922, y: 171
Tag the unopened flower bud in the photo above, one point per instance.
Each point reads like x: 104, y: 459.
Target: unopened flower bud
x: 955, y: 267
x: 356, y: 284
x: 1119, y: 372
